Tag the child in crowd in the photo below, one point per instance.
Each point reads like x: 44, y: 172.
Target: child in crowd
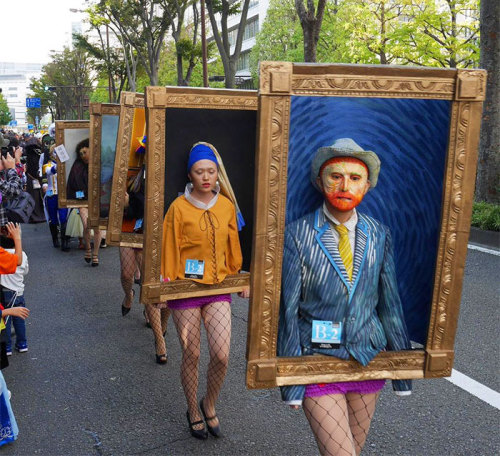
x: 8, y: 265
x: 12, y: 297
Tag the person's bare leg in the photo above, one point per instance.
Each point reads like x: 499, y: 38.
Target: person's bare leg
x: 188, y: 325
x: 329, y: 421
x: 217, y: 320
x: 361, y: 408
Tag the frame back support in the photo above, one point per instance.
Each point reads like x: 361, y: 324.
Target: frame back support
x: 97, y: 111
x: 130, y: 103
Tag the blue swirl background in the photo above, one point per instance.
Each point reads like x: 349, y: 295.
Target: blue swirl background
x: 410, y: 137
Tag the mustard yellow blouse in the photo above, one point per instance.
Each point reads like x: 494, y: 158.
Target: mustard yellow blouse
x: 198, y: 234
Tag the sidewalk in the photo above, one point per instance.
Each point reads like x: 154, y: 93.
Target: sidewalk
x: 482, y: 238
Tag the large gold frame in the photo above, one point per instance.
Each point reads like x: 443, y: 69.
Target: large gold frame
x: 129, y: 101
x: 278, y: 82
x: 61, y: 126
x: 157, y: 100
x: 97, y: 110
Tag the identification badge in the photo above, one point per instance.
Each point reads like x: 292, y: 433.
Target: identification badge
x: 36, y: 184
x: 138, y: 225
x: 80, y: 194
x: 50, y: 193
x: 326, y: 334
x: 194, y: 269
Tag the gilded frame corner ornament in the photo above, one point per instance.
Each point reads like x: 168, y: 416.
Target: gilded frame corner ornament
x: 129, y: 102
x: 279, y: 81
x: 157, y: 100
x: 61, y: 127
x: 97, y: 110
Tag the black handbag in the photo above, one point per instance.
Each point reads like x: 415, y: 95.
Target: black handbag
x: 19, y: 209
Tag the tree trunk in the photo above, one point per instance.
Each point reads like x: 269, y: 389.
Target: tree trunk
x: 230, y: 73
x: 488, y: 171
x: 309, y: 44
x: 311, y: 22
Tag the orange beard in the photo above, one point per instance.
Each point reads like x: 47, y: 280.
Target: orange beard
x: 343, y: 201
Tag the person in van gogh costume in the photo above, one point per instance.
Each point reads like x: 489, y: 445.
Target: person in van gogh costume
x: 340, y: 297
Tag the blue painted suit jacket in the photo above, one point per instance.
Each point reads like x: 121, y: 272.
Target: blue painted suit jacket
x: 316, y: 286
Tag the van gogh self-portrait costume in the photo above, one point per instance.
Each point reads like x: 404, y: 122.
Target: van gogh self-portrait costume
x: 340, y: 296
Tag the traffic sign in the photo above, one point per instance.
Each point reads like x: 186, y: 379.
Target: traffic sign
x: 13, y: 123
x: 33, y: 103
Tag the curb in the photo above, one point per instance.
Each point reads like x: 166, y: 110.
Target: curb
x: 489, y: 239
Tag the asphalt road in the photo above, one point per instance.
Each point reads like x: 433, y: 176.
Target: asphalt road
x: 89, y: 384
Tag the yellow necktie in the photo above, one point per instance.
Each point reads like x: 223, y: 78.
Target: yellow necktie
x: 345, y: 249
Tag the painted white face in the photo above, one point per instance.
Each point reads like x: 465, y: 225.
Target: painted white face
x: 204, y: 176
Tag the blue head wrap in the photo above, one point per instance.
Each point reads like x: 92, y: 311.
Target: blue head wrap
x: 200, y: 152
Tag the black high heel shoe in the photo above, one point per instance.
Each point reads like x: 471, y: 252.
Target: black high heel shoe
x: 161, y: 359
x: 126, y: 310
x: 214, y: 430
x: 200, y: 434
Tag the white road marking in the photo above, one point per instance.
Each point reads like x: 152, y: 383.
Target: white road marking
x: 484, y: 249
x: 475, y: 388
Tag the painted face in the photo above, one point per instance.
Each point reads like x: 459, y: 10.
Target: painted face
x: 203, y: 175
x: 85, y: 154
x: 344, y: 183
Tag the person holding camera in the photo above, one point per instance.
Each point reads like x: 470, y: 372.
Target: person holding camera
x: 10, y: 182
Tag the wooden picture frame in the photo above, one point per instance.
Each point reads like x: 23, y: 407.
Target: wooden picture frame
x: 69, y: 132
x: 226, y: 104
x: 282, y: 87
x: 97, y: 135
x: 131, y: 109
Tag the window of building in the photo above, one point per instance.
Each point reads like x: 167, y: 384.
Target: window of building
x: 251, y: 30
x: 243, y: 61
x: 253, y: 3
x: 12, y: 89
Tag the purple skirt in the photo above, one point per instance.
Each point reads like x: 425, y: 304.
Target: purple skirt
x: 200, y: 301
x: 363, y: 387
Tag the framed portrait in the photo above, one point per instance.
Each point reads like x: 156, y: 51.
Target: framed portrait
x: 129, y: 161
x: 69, y: 133
x: 104, y: 120
x: 424, y: 126
x: 178, y: 118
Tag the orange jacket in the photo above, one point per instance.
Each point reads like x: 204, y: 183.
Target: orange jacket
x: 198, y: 234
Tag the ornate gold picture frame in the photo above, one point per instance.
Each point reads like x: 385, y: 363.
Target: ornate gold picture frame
x: 99, y: 130
x: 194, y: 105
x: 283, y: 88
x: 69, y: 133
x: 131, y: 114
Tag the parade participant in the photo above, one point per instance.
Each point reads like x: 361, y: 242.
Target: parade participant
x: 338, y: 272
x: 77, y: 188
x: 57, y: 217
x: 200, y: 242
x: 130, y: 262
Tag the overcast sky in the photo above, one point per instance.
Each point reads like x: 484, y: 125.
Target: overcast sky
x: 31, y: 28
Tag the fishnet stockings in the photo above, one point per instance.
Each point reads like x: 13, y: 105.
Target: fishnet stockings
x: 217, y: 320
x: 340, y: 423
x: 158, y: 319
x: 84, y: 215
x: 130, y: 260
